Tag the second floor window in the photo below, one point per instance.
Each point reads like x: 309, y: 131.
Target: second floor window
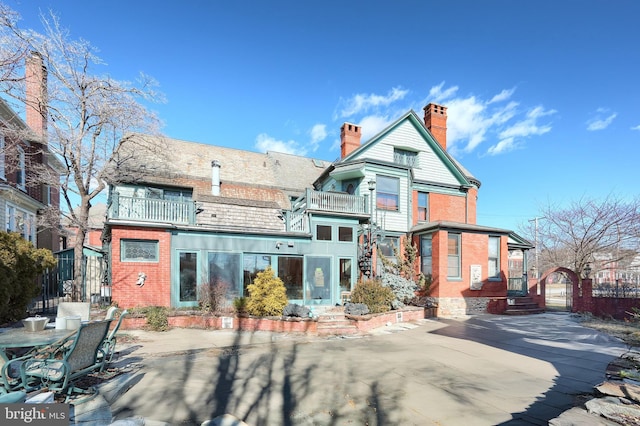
x: 21, y: 178
x: 387, y: 192
x: 423, y: 211
x: 2, y: 157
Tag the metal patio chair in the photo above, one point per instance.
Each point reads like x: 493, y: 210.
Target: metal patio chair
x: 109, y: 345
x: 82, y: 355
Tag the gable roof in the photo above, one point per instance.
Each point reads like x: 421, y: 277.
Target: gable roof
x: 461, y: 174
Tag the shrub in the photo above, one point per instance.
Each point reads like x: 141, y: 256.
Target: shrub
x: 240, y: 304
x: 157, y: 319
x: 212, y: 296
x: 295, y: 310
x: 403, y: 289
x: 373, y: 294
x: 267, y: 295
x: 20, y: 264
x: 356, y: 309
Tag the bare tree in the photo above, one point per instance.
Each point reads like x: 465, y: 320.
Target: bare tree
x: 571, y: 236
x: 85, y: 113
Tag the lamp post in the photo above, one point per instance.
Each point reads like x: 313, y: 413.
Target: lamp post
x: 372, y: 187
x: 587, y: 270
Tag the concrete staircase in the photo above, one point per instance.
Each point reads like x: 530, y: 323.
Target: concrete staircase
x: 335, y: 323
x: 523, y: 305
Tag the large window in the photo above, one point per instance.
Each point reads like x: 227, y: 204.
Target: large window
x: 426, y: 260
x: 139, y: 251
x: 404, y: 157
x: 188, y: 277
x: 224, y: 272
x: 252, y: 265
x: 423, y: 207
x: 387, y: 192
x: 453, y: 257
x: 494, y: 257
x: 290, y: 272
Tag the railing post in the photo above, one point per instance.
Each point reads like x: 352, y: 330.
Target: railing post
x: 115, y: 205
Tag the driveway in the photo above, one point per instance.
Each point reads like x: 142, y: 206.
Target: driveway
x: 485, y: 370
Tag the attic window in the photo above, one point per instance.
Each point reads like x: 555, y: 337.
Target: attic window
x: 405, y: 157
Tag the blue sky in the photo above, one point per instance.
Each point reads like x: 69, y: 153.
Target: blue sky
x: 543, y: 97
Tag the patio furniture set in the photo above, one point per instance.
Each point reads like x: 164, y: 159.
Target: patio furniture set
x: 55, y: 359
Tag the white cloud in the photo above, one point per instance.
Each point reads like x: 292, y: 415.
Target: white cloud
x: 502, y: 96
x: 636, y: 127
x: 602, y: 120
x: 362, y: 103
x: 505, y: 145
x: 436, y: 94
x: 266, y: 143
x: 318, y: 133
x: 473, y: 122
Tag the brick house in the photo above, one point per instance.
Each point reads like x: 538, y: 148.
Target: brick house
x: 215, y: 214
x: 24, y: 157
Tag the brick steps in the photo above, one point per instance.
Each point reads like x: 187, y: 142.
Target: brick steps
x: 522, y: 306
x: 332, y: 324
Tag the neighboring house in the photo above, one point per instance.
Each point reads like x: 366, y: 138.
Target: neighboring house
x: 25, y: 201
x: 210, y: 214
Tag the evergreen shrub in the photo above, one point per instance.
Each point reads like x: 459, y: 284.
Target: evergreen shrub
x: 403, y: 289
x: 267, y: 295
x: 372, y: 293
x: 20, y: 265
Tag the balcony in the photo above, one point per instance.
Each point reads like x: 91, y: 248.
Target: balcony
x: 324, y: 202
x: 152, y: 210
x: 331, y: 202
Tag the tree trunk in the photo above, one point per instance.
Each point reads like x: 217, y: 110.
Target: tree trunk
x: 78, y: 258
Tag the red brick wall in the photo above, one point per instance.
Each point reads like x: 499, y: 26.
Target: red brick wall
x: 475, y: 251
x: 447, y: 207
x: 157, y: 288
x: 472, y: 202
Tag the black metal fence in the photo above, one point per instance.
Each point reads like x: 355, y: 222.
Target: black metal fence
x: 617, y: 289
x: 56, y: 284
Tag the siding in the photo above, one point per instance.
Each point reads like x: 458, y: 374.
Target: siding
x: 406, y: 136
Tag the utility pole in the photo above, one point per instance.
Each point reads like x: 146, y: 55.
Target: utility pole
x: 535, y: 220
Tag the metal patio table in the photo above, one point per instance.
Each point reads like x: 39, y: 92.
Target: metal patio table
x: 16, y: 338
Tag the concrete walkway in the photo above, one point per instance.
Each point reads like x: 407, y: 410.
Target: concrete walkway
x: 484, y: 370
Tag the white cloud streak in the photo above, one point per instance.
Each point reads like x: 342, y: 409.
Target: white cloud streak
x: 363, y: 103
x: 602, y: 120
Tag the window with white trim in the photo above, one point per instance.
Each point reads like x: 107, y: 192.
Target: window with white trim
x: 494, y: 257
x: 21, y: 221
x: 405, y: 157
x: 21, y: 177
x: 423, y: 207
x: 453, y: 257
x: 387, y: 193
x: 2, y: 156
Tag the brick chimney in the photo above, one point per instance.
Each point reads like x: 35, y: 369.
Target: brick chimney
x: 435, y: 118
x: 350, y: 135
x: 36, y: 95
